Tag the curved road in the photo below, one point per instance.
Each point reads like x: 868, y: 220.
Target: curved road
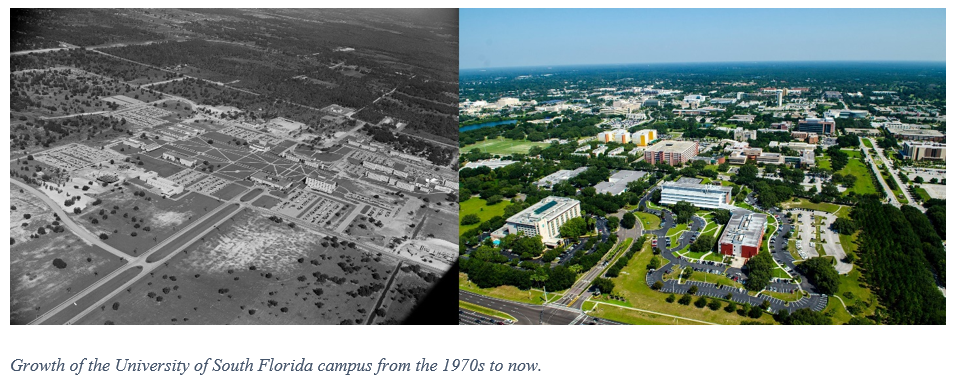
x: 81, y: 232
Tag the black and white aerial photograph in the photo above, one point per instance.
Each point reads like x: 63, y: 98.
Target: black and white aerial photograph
x: 231, y: 166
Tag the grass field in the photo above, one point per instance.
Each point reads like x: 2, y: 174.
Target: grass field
x: 632, y: 286
x: 481, y: 208
x: 867, y: 143
x: 630, y: 316
x: 826, y: 207
x: 865, y: 184
x: 675, y: 231
x: 503, y: 146
x: 824, y: 163
x: 485, y: 311
x: 922, y: 193
x: 648, y: 220
x: 851, y: 285
x: 504, y: 292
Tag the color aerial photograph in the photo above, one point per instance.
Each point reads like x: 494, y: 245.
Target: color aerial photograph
x: 231, y: 166
x: 702, y: 167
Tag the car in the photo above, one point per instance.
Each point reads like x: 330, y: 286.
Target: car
x: 477, y: 320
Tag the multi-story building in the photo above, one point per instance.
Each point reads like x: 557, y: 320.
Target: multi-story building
x: 743, y: 235
x: 326, y: 186
x: 618, y: 182
x: 701, y: 195
x: 770, y: 158
x: 544, y: 219
x: 805, y: 136
x: 924, y: 150
x: 816, y: 125
x: 621, y: 136
x: 743, y: 135
x: 671, y: 152
x: 917, y: 134
x: 644, y: 137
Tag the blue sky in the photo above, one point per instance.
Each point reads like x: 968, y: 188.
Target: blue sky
x: 494, y: 38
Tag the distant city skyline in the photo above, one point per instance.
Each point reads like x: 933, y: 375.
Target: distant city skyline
x: 502, y: 38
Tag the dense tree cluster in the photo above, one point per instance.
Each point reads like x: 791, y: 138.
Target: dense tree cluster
x: 895, y: 265
x: 758, y: 270
x: 821, y: 274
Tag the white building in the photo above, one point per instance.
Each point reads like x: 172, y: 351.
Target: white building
x: 644, y: 137
x: 164, y: 186
x: 701, y: 195
x: 326, y: 186
x: 507, y: 101
x: 544, y: 219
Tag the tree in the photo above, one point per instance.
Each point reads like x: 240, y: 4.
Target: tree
x: 684, y: 211
x: 604, y: 285
x: 657, y: 285
x: 494, y: 199
x: 919, y: 179
x: 671, y: 298
x: 822, y: 274
x: 759, y: 271
x: 755, y: 312
x: 714, y: 305
x: 529, y: 247
x: 721, y: 216
x: 730, y: 307
x: 687, y: 273
x: 653, y: 263
x: 685, y: 300
x: 470, y: 219
x: 59, y: 264
x: 628, y: 220
x: 700, y: 302
x: 693, y: 289
x: 573, y: 228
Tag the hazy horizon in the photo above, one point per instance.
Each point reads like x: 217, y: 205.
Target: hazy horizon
x: 525, y: 38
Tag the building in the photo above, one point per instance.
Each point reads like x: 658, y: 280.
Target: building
x: 694, y: 99
x: 846, y: 113
x: 710, y: 160
x: 743, y: 235
x: 805, y: 136
x: 621, y: 136
x: 816, y: 125
x: 832, y: 94
x: 644, y: 137
x: 770, y: 158
x: 700, y: 195
x: 671, y: 152
x: 737, y: 157
x: 742, y: 135
x: 599, y: 150
x: 507, y: 101
x: 618, y: 182
x: 917, y: 134
x: 164, y: 186
x: 176, y: 157
x: 559, y: 176
x: 923, y: 150
x: 544, y: 219
x: 326, y: 186
x: 784, y: 125
x: 780, y: 98
x: 491, y: 163
x: 652, y: 103
x: 271, y: 181
x: 742, y: 118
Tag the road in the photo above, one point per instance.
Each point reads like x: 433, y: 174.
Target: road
x: 888, y: 191
x: 530, y: 314
x: 81, y: 232
x: 894, y: 171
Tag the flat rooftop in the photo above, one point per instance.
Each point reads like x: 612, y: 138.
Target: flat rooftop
x: 550, y: 206
x: 560, y: 175
x: 697, y: 187
x: 675, y: 146
x: 617, y: 182
x: 744, y: 229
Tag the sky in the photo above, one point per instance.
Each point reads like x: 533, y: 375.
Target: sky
x: 496, y: 38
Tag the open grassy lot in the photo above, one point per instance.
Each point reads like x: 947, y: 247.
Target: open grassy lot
x: 649, y: 221
x: 503, y: 146
x: 632, y: 286
x: 257, y: 272
x: 36, y: 285
x: 855, y: 292
x: 824, y: 163
x: 789, y: 297
x: 674, y: 232
x: 230, y: 191
x: 163, y: 217
x: 504, y: 292
x: 867, y: 143
x: 630, y: 316
x: 481, y: 208
x: 485, y: 311
x: 865, y: 184
x: 826, y: 207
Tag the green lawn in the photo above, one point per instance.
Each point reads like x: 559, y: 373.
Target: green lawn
x: 852, y: 153
x: 479, y: 207
x: 503, y: 146
x: 631, y: 285
x: 824, y: 163
x: 504, y: 292
x: 851, y: 284
x: 922, y: 193
x: 826, y: 207
x: 673, y: 232
x: 635, y: 317
x: 779, y: 273
x: 787, y: 296
x: 865, y: 184
x: 648, y: 220
x: 867, y: 143
x: 485, y: 311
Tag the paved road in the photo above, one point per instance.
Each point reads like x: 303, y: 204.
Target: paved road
x: 78, y: 230
x: 530, y: 314
x: 894, y: 171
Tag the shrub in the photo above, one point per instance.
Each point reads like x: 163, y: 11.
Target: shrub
x: 671, y: 298
x: 730, y: 307
x: 700, y: 302
x: 657, y: 285
x: 714, y: 305
x: 685, y: 300
x: 693, y: 289
x: 59, y: 264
